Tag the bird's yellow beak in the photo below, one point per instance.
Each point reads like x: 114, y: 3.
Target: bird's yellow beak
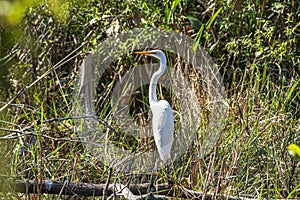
x: 143, y: 52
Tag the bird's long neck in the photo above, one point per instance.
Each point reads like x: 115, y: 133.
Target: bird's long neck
x: 153, y: 82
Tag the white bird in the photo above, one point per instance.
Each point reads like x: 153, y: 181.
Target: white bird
x: 162, y: 115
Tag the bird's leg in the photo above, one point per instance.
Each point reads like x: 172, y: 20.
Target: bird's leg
x: 129, y: 164
x: 153, y: 172
x: 168, y: 168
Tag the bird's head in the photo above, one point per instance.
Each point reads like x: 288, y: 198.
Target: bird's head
x: 154, y: 53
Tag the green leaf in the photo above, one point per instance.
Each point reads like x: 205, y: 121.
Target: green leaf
x: 16, y: 10
x: 290, y: 94
x: 173, y: 7
x: 294, y: 150
x: 197, y: 39
x: 213, y: 18
x: 174, y: 4
x: 196, y: 24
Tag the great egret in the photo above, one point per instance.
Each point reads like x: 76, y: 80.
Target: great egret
x: 163, y: 118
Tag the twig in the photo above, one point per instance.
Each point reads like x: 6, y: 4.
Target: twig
x: 107, y: 183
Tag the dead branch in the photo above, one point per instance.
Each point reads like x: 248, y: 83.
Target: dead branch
x: 134, y: 191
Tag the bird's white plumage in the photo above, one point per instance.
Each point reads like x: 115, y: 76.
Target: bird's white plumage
x: 162, y: 115
x: 163, y: 128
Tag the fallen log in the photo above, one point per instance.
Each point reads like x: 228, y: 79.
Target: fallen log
x: 133, y: 191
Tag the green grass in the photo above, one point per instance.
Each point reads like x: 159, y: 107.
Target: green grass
x: 255, y: 49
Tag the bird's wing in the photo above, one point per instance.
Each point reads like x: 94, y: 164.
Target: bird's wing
x: 163, y: 127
